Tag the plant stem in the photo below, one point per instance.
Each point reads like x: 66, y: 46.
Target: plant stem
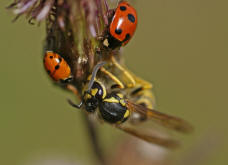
x: 96, y: 146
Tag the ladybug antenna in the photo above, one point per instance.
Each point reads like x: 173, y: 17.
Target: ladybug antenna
x: 94, y: 73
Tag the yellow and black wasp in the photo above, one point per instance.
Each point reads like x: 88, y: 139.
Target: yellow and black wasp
x: 115, y: 108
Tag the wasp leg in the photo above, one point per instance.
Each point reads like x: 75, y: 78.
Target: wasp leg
x: 145, y: 84
x: 125, y: 72
x: 73, y: 89
x: 132, y: 77
x: 78, y: 106
x: 143, y: 96
x: 113, y: 77
x: 75, y: 92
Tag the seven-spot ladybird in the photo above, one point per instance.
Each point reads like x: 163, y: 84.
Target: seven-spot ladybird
x: 57, y: 67
x: 122, y: 26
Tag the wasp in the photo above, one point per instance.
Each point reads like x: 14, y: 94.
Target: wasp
x: 114, y: 108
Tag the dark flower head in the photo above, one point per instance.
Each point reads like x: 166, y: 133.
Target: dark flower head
x: 72, y: 28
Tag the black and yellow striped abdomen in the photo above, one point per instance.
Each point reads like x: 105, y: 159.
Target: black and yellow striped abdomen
x: 113, y: 108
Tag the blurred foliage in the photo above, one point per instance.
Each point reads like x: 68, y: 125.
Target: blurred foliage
x: 180, y: 46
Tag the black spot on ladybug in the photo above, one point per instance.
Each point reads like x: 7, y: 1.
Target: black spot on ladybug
x: 118, y: 31
x: 123, y: 8
x: 131, y: 18
x: 48, y: 71
x: 57, y: 67
x: 51, y: 57
x: 127, y: 37
x: 60, y: 59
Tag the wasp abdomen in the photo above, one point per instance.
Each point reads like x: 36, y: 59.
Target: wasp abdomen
x: 113, y: 109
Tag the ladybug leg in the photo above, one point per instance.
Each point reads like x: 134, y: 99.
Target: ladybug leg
x: 125, y: 72
x: 113, y: 77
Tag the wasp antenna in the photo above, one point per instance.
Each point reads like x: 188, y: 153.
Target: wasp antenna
x: 94, y: 73
x: 78, y: 106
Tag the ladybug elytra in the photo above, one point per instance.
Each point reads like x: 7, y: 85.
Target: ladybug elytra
x: 57, y: 67
x: 122, y: 26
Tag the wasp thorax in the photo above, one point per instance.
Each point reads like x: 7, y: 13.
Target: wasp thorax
x: 93, y: 96
x: 98, y: 90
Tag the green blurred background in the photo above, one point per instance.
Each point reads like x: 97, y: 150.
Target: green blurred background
x: 180, y: 46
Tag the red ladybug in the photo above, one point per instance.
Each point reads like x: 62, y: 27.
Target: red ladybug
x: 122, y: 26
x: 57, y: 67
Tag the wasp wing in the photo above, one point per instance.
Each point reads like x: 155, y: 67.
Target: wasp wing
x: 165, y: 120
x: 151, y: 136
